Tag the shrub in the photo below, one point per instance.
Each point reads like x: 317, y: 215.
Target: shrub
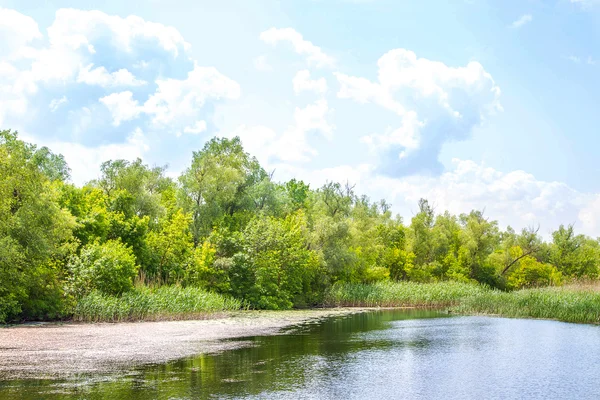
x: 108, y: 267
x: 532, y: 273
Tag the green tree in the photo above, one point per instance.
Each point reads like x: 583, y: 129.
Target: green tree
x: 108, y: 267
x: 218, y: 183
x: 276, y: 270
x: 35, y: 233
x: 171, y: 248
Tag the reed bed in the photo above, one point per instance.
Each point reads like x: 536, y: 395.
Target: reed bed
x: 568, y: 304
x: 151, y: 304
x: 402, y: 294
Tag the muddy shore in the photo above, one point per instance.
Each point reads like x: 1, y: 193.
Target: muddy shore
x: 61, y: 350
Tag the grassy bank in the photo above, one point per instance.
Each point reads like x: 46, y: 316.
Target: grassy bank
x: 576, y: 303
x: 402, y: 294
x: 163, y: 303
x: 568, y: 304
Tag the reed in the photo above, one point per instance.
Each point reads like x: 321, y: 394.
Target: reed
x: 402, y: 294
x: 568, y: 304
x: 162, y: 303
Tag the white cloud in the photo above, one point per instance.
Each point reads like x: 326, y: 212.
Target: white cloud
x: 181, y: 98
x: 101, y: 77
x: 586, y: 3
x: 122, y: 106
x: 56, y: 103
x: 261, y: 64
x: 85, y: 161
x: 16, y: 30
x: 314, y: 55
x: 407, y: 136
x: 198, y: 127
x: 291, y: 146
x: 513, y: 198
x: 80, y: 29
x: 257, y: 141
x: 314, y: 117
x: 436, y: 103
x: 302, y: 82
x: 522, y: 20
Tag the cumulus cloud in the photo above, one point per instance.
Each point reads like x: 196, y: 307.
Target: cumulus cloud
x: 292, y: 145
x: 313, y: 54
x: 85, y: 161
x: 88, y: 65
x: 302, y: 82
x: 514, y: 198
x: 522, y: 20
x: 56, y: 103
x: 436, y: 103
x: 17, y: 31
x: 122, y: 106
x: 101, y: 77
x: 198, y: 127
x: 181, y: 98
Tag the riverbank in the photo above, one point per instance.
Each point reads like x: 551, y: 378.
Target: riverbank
x: 51, y: 350
x: 577, y: 303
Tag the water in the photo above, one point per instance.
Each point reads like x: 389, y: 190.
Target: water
x: 378, y: 355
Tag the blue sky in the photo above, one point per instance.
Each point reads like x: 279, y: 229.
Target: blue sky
x: 472, y: 104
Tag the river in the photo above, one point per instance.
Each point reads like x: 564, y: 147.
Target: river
x: 390, y: 354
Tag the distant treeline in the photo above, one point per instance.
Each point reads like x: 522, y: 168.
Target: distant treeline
x: 225, y: 226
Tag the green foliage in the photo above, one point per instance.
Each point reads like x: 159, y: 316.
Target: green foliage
x: 275, y: 267
x: 575, y: 255
x: 143, y: 303
x: 217, y: 184
x: 35, y: 233
x: 108, y: 267
x: 227, y: 227
x: 532, y: 273
x: 170, y: 249
x: 572, y: 304
x: 401, y: 294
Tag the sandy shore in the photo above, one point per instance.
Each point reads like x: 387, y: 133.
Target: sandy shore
x: 60, y: 350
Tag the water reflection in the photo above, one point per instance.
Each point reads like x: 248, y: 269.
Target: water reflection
x: 387, y: 354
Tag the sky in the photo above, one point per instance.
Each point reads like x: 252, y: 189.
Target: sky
x: 473, y: 104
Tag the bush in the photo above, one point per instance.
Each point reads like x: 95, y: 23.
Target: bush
x: 108, y: 267
x: 532, y: 273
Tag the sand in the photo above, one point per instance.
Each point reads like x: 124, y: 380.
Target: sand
x: 54, y: 350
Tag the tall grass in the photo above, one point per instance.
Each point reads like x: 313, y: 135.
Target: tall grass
x: 402, y: 294
x: 568, y: 304
x: 573, y: 303
x: 144, y: 303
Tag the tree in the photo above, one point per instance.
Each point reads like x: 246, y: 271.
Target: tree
x: 217, y: 184
x: 276, y: 270
x: 108, y: 267
x: 531, y: 273
x: 574, y: 255
x: 171, y: 249
x: 422, y: 244
x: 528, y: 242
x: 35, y: 233
x: 480, y: 238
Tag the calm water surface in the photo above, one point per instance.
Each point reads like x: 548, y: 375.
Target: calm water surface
x: 377, y: 355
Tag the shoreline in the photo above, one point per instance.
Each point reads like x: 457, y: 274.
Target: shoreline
x: 58, y: 350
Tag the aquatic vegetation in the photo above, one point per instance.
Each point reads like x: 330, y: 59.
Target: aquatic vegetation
x: 143, y: 303
x: 402, y: 294
x: 568, y: 304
